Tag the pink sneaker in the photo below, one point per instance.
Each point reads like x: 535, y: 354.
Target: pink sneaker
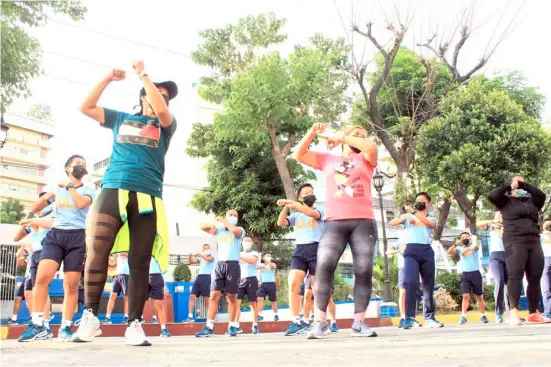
x: 538, y: 318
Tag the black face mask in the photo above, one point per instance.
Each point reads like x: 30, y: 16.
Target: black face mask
x: 354, y: 149
x: 420, y: 205
x: 547, y: 227
x: 309, y: 200
x: 79, y: 171
x: 466, y: 241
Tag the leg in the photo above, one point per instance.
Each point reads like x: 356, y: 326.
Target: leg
x: 143, y: 229
x: 428, y: 270
x: 254, y: 309
x: 362, y: 244
x: 70, y: 287
x: 29, y: 300
x: 274, y: 306
x: 465, y: 303
x: 296, y: 277
x: 332, y: 244
x: 125, y: 300
x: 332, y: 309
x: 534, y: 271
x: 213, y: 304
x: 191, y: 306
x: 308, y: 301
x: 498, y: 273
x: 480, y: 303
x: 104, y: 225
x: 402, y: 301
x: 111, y: 305
x: 46, y: 271
x: 232, y: 306
x: 260, y: 307
x: 159, y: 306
x: 238, y: 310
x: 411, y: 279
x: 17, y: 306
x: 516, y: 257
x: 546, y: 285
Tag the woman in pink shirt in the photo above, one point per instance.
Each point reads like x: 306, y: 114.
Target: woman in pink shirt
x: 349, y: 218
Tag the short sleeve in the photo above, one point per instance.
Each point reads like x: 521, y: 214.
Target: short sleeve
x: 111, y: 118
x: 29, y: 230
x: 292, y: 219
x: 198, y: 258
x: 88, y: 191
x: 321, y: 159
x: 243, y: 233
x: 255, y: 254
x: 169, y: 131
x: 320, y: 210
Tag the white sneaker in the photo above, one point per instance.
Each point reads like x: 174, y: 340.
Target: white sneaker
x: 361, y: 329
x: 88, y: 328
x: 134, y: 335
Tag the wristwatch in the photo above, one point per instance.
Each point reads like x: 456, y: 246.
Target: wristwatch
x: 142, y: 74
x: 69, y: 186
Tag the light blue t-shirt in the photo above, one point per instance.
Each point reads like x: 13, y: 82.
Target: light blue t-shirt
x: 306, y: 229
x: 468, y: 263
x: 248, y: 270
x: 546, y: 245
x: 268, y: 276
x: 122, y: 265
x: 38, y: 236
x: 229, y: 246
x: 400, y: 255
x: 66, y: 215
x: 205, y: 267
x: 417, y: 234
x: 496, y: 242
x: 140, y: 144
x: 154, y: 267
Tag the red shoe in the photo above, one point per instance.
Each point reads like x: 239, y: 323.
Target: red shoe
x: 538, y: 318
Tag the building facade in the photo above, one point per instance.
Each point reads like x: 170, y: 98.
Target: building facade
x: 24, y: 158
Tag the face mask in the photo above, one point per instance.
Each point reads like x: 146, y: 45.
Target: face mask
x: 79, y: 171
x: 309, y: 200
x: 268, y: 258
x: 420, y: 205
x: 232, y: 220
x: 247, y: 246
x: 520, y: 193
x: 207, y: 253
x: 547, y: 227
x: 466, y: 241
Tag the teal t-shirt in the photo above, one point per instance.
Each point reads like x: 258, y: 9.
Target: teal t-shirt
x: 139, y: 148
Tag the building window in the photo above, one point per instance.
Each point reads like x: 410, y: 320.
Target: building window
x: 17, y: 188
x: 23, y: 170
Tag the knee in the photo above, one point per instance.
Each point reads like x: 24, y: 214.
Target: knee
x: 215, y: 297
x: 467, y: 296
x: 192, y: 297
x: 232, y: 298
x: 113, y: 297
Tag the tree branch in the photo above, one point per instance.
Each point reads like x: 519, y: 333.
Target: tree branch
x: 273, y: 139
x: 465, y: 33
x: 287, y: 148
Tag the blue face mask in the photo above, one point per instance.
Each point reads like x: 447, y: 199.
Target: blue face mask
x: 247, y: 246
x: 521, y: 193
x: 207, y: 253
x: 232, y: 220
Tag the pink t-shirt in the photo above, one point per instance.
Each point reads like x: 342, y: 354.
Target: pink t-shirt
x: 348, y: 186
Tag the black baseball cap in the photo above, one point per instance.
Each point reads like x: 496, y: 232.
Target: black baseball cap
x: 170, y: 86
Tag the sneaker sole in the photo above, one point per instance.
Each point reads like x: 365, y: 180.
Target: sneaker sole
x: 372, y: 335
x: 204, y: 336
x: 313, y: 336
x: 77, y: 339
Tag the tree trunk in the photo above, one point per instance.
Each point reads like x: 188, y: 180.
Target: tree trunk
x: 280, y: 158
x: 443, y: 212
x: 468, y: 207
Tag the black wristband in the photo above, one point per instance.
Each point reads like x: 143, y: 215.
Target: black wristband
x: 69, y: 186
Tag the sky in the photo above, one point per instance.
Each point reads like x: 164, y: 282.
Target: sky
x: 165, y: 32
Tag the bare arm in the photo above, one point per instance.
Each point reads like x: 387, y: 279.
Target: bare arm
x: 21, y: 233
x: 209, y: 228
x: 89, y: 106
x: 81, y: 201
x: 192, y: 259
x: 233, y: 229
x: 282, y: 220
x: 453, y: 250
x: 392, y: 251
x: 271, y: 264
x: 306, y: 210
x: 43, y: 223
x: 205, y: 257
x: 425, y: 220
x: 397, y: 221
x: 302, y: 153
x: 42, y: 202
x: 157, y: 102
x: 249, y: 259
x: 367, y: 146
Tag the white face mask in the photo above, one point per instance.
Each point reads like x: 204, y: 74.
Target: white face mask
x: 247, y: 246
x: 208, y: 253
x: 268, y: 258
x: 232, y: 220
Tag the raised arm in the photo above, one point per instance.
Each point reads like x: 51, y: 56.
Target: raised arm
x: 237, y: 231
x: 302, y: 153
x: 89, y: 106
x: 366, y: 145
x: 154, y: 97
x: 42, y: 202
x: 397, y: 221
x: 209, y: 228
x: 538, y: 196
x: 80, y: 201
x: 249, y: 259
x: 205, y: 257
x: 21, y: 233
x: 498, y: 196
x: 282, y: 220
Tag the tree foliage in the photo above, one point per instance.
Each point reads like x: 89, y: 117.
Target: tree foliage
x: 481, y: 138
x: 12, y: 211
x: 281, y: 251
x: 182, y: 273
x: 21, y: 53
x: 41, y: 112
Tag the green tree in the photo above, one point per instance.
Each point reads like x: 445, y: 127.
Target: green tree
x: 21, y: 53
x: 481, y: 138
x: 40, y: 112
x: 268, y: 97
x: 282, y: 252
x: 182, y: 273
x: 241, y: 176
x: 12, y: 211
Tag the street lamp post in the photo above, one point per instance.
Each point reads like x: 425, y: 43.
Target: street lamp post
x: 378, y: 183
x: 4, y: 133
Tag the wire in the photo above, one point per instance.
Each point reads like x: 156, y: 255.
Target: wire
x: 84, y: 29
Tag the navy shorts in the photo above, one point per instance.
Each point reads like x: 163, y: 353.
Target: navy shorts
x: 401, y: 279
x: 248, y: 287
x: 35, y: 259
x: 21, y: 290
x: 120, y: 284
x: 268, y: 289
x: 67, y: 246
x: 156, y: 286
x: 471, y: 281
x: 301, y: 290
x: 226, y: 277
x: 201, y: 285
x: 305, y: 258
x: 28, y: 284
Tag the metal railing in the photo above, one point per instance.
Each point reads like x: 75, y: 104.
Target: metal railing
x: 8, y: 278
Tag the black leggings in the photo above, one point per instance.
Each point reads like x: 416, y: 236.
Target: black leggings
x: 105, y: 224
x: 362, y: 235
x: 520, y: 258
